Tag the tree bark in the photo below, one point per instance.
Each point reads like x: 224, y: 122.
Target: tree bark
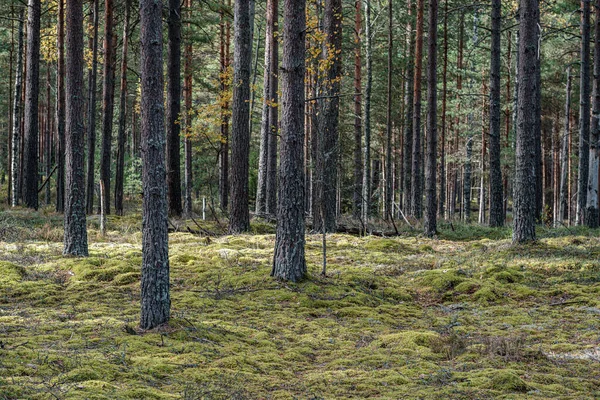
x: 408, y: 127
x: 16, y: 119
x: 358, y: 166
x: 416, y: 192
x: 584, y: 113
x: 496, y: 189
x: 271, y: 198
x: 367, y: 191
x: 591, y: 214
x: 30, y: 155
x: 155, y: 300
x: 442, y: 169
x: 187, y: 92
x: 239, y: 216
x: 224, y: 34
x: 324, y: 208
x: 174, y: 108
x: 289, y: 262
x: 430, y: 223
x: 91, y: 131
x: 120, y: 169
x: 388, y: 203
x: 108, y: 94
x: 524, y: 187
x: 74, y: 218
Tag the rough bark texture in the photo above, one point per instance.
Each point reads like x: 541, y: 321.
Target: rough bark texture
x: 108, y: 94
x: 91, y: 129
x: 584, y: 113
x: 271, y: 198
x: 524, y: 186
x: 367, y: 191
x: 591, y: 213
x: 358, y: 172
x: 156, y: 301
x: 430, y: 222
x: 416, y: 197
x: 30, y: 155
x: 239, y: 216
x: 120, y: 168
x: 16, y: 119
x: 288, y: 261
x: 496, y: 194
x: 442, y: 169
x: 408, y: 126
x: 74, y: 218
x: 324, y: 207
x: 174, y: 108
x: 388, y: 203
x: 268, y: 103
x: 187, y: 91
x: 224, y: 34
x: 60, y: 109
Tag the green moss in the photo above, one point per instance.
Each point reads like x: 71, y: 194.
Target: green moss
x: 442, y: 280
x: 508, y: 381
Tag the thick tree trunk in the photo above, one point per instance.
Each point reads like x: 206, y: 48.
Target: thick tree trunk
x: 358, y: 166
x: 174, y: 108
x: 430, y: 223
x: 187, y: 91
x: 155, y: 300
x: 524, y: 187
x: 591, y: 214
x: 442, y: 169
x: 32, y: 77
x: 289, y: 262
x: 388, y: 203
x: 91, y: 129
x: 271, y: 198
x: 108, y: 94
x: 16, y: 119
x: 496, y: 190
x: 416, y: 197
x: 239, y: 216
x: 366, y: 195
x: 75, y: 221
x: 408, y: 114
x: 268, y: 103
x: 324, y: 208
x: 584, y: 113
x: 120, y: 170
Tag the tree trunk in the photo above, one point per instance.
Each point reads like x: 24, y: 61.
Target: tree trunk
x: 442, y: 169
x: 75, y: 221
x: 430, y: 223
x: 288, y: 261
x: 120, y: 172
x: 174, y: 108
x: 224, y: 34
x: 91, y: 131
x: 366, y: 195
x: 388, y: 203
x: 358, y: 166
x: 524, y: 187
x: 32, y: 77
x: 408, y: 126
x: 271, y: 198
x: 416, y: 193
x: 591, y: 214
x: 466, y: 200
x: 239, y: 216
x: 155, y: 300
x: 47, y: 137
x: 108, y: 92
x: 584, y: 113
x: 496, y: 190
x: 324, y: 209
x: 187, y: 91
x: 16, y: 119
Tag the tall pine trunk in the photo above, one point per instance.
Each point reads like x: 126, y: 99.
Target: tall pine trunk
x: 389, y: 198
x: 271, y: 198
x: 496, y: 190
x: 289, y: 261
x: 32, y: 77
x: 408, y: 121
x: 358, y: 166
x: 91, y: 129
x: 16, y: 119
x: 524, y: 186
x: 430, y: 223
x: 120, y: 169
x: 366, y: 195
x: 584, y: 113
x: 187, y: 92
x: 239, y: 216
x: 174, y: 108
x: 591, y: 214
x: 155, y: 299
x: 442, y: 169
x: 416, y: 197
x: 74, y: 218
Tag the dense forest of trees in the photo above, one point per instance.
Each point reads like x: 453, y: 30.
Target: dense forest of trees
x: 320, y: 115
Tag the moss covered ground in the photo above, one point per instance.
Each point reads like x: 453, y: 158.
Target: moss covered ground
x: 465, y: 316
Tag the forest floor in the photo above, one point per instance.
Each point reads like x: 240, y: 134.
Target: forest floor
x: 463, y: 316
